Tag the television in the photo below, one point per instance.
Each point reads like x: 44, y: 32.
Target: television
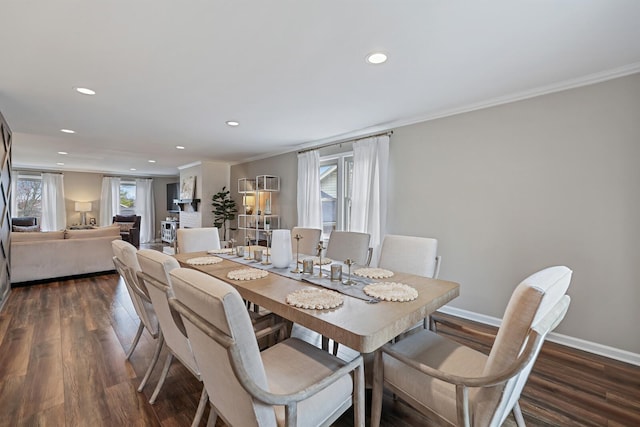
x: 173, y: 192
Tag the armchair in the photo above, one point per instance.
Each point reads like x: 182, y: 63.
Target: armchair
x: 129, y: 228
x: 454, y: 385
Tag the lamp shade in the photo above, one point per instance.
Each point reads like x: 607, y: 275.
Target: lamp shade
x: 83, y: 206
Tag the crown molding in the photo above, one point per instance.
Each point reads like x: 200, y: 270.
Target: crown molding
x: 587, y: 80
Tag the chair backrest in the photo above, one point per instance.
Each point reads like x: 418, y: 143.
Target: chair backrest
x: 155, y: 267
x: 197, y: 239
x: 349, y: 244
x: 214, y: 305
x: 309, y: 242
x: 128, y: 267
x: 408, y: 254
x: 537, y: 304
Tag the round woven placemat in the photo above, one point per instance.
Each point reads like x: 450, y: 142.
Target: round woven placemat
x: 391, y: 291
x: 204, y: 260
x: 315, y: 299
x: 373, y: 273
x: 316, y: 260
x: 247, y: 274
x: 223, y: 251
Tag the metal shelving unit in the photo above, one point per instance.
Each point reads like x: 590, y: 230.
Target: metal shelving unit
x: 257, y: 201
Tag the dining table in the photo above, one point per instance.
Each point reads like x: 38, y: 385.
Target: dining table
x: 363, y: 324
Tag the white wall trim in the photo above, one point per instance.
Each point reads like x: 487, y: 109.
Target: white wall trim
x: 577, y: 343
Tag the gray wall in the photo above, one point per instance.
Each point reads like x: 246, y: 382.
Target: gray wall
x: 515, y: 188
x: 512, y: 189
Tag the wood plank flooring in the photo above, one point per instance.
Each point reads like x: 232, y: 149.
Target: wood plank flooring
x: 62, y: 363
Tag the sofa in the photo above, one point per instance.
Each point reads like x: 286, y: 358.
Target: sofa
x: 55, y: 254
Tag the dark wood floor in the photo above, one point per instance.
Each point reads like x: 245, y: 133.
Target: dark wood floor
x: 62, y: 362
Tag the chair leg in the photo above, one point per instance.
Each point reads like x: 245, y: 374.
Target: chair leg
x: 156, y: 356
x: 204, y: 398
x: 335, y: 348
x: 213, y: 417
x: 517, y: 414
x: 325, y: 343
x: 376, y: 393
x: 135, y: 340
x: 163, y: 376
x: 359, y: 397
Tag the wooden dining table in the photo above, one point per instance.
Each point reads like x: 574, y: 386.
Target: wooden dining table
x: 358, y: 324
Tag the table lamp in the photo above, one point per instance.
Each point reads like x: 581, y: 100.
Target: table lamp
x: 83, y: 208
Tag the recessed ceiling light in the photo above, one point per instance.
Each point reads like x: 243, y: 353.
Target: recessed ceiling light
x: 179, y: 147
x: 151, y: 161
x: 60, y: 164
x: 63, y: 152
x: 67, y: 131
x: 376, y: 58
x: 132, y: 169
x: 85, y: 91
x: 232, y: 123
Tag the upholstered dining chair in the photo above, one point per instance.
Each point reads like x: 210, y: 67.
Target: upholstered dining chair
x: 289, y: 384
x: 349, y: 244
x: 126, y: 262
x: 409, y: 254
x: 352, y: 245
x: 155, y: 267
x: 413, y: 255
x: 457, y: 386
x: 197, y: 239
x: 309, y: 241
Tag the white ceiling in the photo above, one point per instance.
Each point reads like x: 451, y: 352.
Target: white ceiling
x: 293, y: 73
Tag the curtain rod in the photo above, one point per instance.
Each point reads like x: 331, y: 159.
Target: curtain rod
x: 342, y: 141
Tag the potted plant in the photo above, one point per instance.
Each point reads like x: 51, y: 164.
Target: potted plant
x: 224, y: 210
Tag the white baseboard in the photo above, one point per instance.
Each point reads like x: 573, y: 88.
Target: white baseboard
x: 580, y: 344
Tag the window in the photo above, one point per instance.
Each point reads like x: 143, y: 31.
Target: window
x: 127, y: 197
x: 28, y: 196
x: 336, y: 177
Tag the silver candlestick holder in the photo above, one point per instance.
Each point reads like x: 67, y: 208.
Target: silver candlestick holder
x: 297, y: 269
x: 247, y: 251
x: 349, y: 262
x: 266, y: 259
x: 320, y: 248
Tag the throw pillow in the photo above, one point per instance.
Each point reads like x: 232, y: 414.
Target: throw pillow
x: 20, y: 229
x: 124, y: 226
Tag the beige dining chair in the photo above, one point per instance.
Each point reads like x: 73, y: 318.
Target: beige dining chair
x: 413, y: 255
x: 409, y: 254
x: 197, y: 239
x: 455, y: 385
x: 126, y: 262
x: 291, y: 383
x: 345, y: 245
x: 309, y: 241
x: 349, y: 245
x: 155, y: 267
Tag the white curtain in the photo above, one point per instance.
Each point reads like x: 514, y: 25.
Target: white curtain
x: 145, y: 207
x: 109, y: 200
x: 369, y: 200
x: 309, y: 202
x: 54, y: 212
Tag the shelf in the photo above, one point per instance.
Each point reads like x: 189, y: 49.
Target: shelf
x: 182, y: 202
x: 257, y: 197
